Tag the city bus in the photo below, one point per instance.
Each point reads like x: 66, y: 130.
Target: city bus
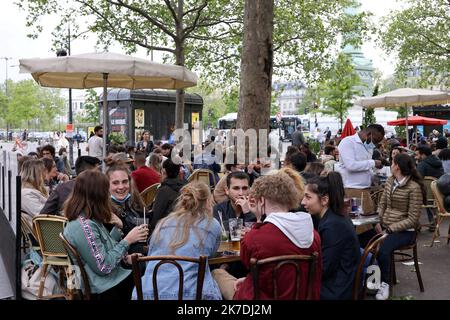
x: 286, y: 127
x: 227, y: 122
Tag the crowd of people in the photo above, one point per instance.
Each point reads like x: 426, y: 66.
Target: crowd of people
x: 300, y: 209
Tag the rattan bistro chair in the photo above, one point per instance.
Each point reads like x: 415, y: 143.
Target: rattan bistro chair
x: 279, y: 264
x: 201, y: 261
x: 204, y: 175
x: 441, y: 212
x: 149, y: 194
x: 48, y: 228
x: 431, y: 200
x: 371, y: 250
x: 404, y: 256
x: 29, y: 238
x: 376, y: 197
x: 76, y: 261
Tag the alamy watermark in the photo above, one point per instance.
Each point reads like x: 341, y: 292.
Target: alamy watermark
x: 232, y: 151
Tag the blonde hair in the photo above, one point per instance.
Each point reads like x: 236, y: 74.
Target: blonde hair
x: 193, y: 204
x: 297, y: 179
x: 32, y: 175
x: 278, y: 188
x: 155, y: 162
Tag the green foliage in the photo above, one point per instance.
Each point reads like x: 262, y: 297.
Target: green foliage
x: 91, y: 107
x: 310, y: 99
x: 419, y: 35
x: 339, y: 88
x: 231, y: 100
x: 216, y: 102
x: 369, y: 114
x: 28, y: 102
x: 305, y: 32
x: 117, y: 138
x: 314, y: 146
x: 274, y: 109
x: 400, y: 131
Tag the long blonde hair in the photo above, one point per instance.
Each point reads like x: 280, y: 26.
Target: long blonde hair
x: 155, y: 162
x: 32, y: 175
x: 193, y: 205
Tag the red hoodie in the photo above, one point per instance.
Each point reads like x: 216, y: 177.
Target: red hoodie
x: 267, y: 240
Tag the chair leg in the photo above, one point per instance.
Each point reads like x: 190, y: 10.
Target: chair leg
x: 392, y: 275
x: 436, y: 231
x: 69, y: 290
x: 448, y: 234
x: 42, y: 282
x: 416, y: 266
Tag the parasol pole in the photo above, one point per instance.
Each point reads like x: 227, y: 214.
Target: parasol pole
x: 407, y: 131
x: 105, y: 115
x: 415, y: 130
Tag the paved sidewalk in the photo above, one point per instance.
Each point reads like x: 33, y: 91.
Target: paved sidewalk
x: 435, y: 269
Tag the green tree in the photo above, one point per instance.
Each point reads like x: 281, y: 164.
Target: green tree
x: 3, y: 106
x: 207, y: 35
x: 92, y: 114
x: 27, y: 102
x: 308, y: 101
x: 369, y: 113
x: 419, y: 35
x: 51, y: 105
x: 231, y: 100
x: 173, y: 27
x: 339, y: 88
x: 23, y: 104
x: 274, y: 109
x: 213, y: 103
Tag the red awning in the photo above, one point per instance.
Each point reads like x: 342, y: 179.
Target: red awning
x: 417, y: 121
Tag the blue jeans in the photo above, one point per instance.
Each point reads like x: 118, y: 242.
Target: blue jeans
x: 392, y: 242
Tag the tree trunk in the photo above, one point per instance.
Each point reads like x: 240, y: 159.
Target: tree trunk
x: 180, y: 60
x: 256, y: 65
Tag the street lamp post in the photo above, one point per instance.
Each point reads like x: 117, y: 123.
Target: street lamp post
x: 62, y: 53
x: 6, y: 91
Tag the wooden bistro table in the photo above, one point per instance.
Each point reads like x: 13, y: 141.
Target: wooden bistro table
x: 225, y: 254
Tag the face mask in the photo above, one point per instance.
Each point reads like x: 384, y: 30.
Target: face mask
x: 121, y: 201
x: 369, y: 146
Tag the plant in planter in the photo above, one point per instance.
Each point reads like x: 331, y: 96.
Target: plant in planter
x: 314, y: 146
x: 117, y: 138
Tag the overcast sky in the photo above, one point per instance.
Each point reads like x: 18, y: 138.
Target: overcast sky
x: 15, y: 44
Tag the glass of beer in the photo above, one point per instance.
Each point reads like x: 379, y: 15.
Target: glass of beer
x: 236, y: 226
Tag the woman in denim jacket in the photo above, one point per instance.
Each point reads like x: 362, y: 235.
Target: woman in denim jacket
x: 190, y: 230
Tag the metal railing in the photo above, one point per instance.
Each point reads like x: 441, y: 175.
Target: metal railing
x: 10, y: 220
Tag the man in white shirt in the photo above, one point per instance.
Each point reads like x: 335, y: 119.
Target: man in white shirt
x: 95, y: 143
x: 356, y: 164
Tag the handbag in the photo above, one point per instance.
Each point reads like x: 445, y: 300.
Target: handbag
x: 31, y: 277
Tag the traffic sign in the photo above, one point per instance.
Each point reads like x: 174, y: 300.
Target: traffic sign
x: 69, y: 130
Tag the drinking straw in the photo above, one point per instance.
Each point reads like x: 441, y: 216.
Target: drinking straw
x: 362, y: 200
x: 144, y: 216
x: 221, y: 220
